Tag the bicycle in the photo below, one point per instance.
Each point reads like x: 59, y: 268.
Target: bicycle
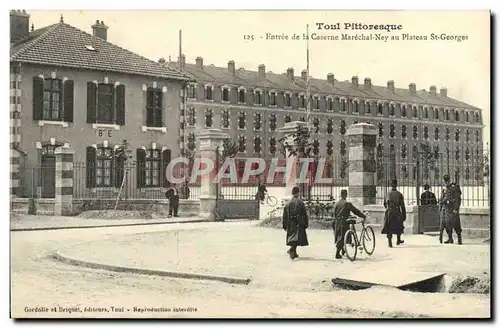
x: 366, y: 241
x: 268, y: 199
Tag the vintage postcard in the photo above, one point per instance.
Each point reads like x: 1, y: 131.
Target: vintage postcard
x: 250, y: 164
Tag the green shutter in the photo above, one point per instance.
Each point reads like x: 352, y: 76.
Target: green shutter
x: 120, y: 104
x: 90, y: 167
x: 68, y: 101
x: 37, y: 98
x: 91, y: 102
x: 141, y: 168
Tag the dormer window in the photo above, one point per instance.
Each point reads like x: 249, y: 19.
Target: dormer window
x: 355, y: 106
x: 242, y: 96
x: 302, y: 101
x: 316, y: 103
x: 457, y: 116
x: 415, y: 112
x: 225, y: 94
x: 342, y: 105
x: 209, y: 92
x: 258, y: 97
x: 190, y: 90
x: 380, y: 109
x: 367, y: 107
x: 288, y: 100
x: 329, y: 104
x: 403, y: 110
x: 392, y: 109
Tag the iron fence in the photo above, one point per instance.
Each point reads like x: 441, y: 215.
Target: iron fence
x: 426, y: 164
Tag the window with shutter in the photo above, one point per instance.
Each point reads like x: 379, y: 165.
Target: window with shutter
x: 152, y: 167
x: 105, y: 104
x: 104, y: 167
x: 91, y: 102
x: 51, y: 100
x: 120, y: 105
x: 154, y: 108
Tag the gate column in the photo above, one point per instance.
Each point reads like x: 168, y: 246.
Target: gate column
x: 209, y: 140
x: 362, y: 140
x: 289, y: 132
x: 64, y: 181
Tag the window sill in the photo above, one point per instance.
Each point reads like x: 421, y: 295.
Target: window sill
x: 225, y: 101
x: 150, y: 128
x: 190, y: 125
x: 273, y: 106
x: 241, y: 103
x: 242, y: 129
x: 209, y: 100
x: 105, y: 126
x: 191, y: 98
x: 225, y: 127
x: 258, y: 105
x: 257, y: 130
x: 61, y: 123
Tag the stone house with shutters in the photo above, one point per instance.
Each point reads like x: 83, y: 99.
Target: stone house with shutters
x: 251, y: 106
x: 77, y: 88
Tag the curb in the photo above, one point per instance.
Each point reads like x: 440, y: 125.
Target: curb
x: 173, y: 274
x: 107, y: 225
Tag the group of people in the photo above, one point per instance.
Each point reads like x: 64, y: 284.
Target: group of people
x: 296, y: 220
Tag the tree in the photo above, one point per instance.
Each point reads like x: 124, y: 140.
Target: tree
x: 302, y: 143
x: 123, y: 154
x: 428, y: 158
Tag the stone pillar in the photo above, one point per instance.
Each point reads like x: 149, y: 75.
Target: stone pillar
x: 293, y: 163
x: 362, y: 140
x: 15, y: 175
x: 209, y: 140
x: 64, y: 181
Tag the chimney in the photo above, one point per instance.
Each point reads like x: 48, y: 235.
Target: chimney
x: 231, y: 67
x: 330, y: 78
x: 19, y: 25
x: 390, y: 85
x: 289, y: 74
x: 262, y: 71
x: 412, y: 88
x: 304, y: 75
x: 443, y: 92
x: 199, y: 62
x: 182, y: 62
x: 354, y: 81
x: 432, y: 90
x: 368, y: 83
x: 100, y: 30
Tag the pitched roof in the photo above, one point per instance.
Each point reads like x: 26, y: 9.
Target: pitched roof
x: 221, y: 75
x: 63, y: 45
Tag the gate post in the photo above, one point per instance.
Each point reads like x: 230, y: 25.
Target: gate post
x: 292, y: 161
x: 64, y: 181
x: 210, y: 141
x: 362, y: 140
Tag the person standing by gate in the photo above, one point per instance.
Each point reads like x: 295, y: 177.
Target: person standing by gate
x: 449, y: 208
x: 172, y: 195
x: 341, y: 211
x: 428, y: 197
x: 395, y: 214
x: 295, y: 223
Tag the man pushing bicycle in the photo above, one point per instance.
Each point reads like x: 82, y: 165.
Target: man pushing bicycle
x: 341, y: 212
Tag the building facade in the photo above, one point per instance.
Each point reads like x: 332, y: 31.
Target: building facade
x: 251, y: 105
x: 69, y: 87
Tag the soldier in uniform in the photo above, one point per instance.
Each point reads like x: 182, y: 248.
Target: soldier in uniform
x: 428, y: 197
x: 341, y: 211
x: 295, y: 223
x: 172, y: 194
x: 449, y: 208
x: 395, y: 214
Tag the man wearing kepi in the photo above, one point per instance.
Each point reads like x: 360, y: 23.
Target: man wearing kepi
x: 341, y: 211
x: 449, y: 207
x: 395, y: 214
x: 295, y: 223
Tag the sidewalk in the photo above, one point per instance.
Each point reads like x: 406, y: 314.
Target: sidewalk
x: 21, y: 222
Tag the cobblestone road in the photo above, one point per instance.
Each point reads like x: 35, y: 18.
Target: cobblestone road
x: 38, y: 281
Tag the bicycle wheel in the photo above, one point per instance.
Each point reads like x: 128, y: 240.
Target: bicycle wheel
x: 350, y: 247
x: 368, y: 240
x: 271, y: 201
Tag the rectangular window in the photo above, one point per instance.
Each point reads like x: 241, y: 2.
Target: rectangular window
x: 104, y: 167
x: 288, y: 100
x: 105, y: 99
x: 241, y: 96
x: 272, y: 122
x: 272, y: 98
x: 52, y: 99
x: 154, y: 108
x: 302, y: 101
x: 191, y: 118
x: 316, y: 103
x: 330, y: 104
x: 225, y: 119
x: 209, y: 93
x: 272, y: 145
x: 355, y: 106
x: 153, y: 164
x: 191, y: 91
x: 225, y: 94
x: 258, y: 98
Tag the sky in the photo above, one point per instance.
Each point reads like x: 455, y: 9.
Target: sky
x: 218, y: 36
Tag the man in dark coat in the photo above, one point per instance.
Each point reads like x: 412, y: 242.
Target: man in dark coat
x: 449, y: 209
x: 341, y: 211
x: 295, y: 223
x: 395, y: 214
x: 428, y: 197
x: 261, y: 192
x: 172, y: 194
